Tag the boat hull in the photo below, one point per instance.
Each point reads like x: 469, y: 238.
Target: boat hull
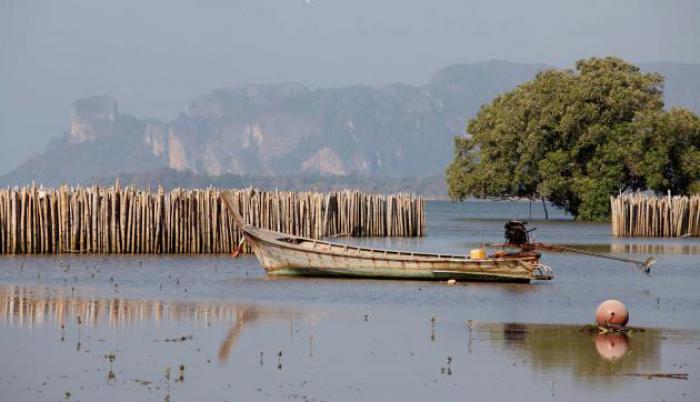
x: 284, y: 254
x: 333, y: 260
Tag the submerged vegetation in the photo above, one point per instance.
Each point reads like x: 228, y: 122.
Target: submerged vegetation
x: 575, y: 137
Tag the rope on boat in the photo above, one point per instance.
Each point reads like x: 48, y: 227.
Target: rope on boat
x: 239, y: 248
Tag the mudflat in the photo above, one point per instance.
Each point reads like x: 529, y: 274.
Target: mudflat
x: 209, y: 327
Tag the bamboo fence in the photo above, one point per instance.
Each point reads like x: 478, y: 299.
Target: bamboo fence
x: 128, y: 220
x: 643, y: 216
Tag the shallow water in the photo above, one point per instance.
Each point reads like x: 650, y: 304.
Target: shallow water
x: 243, y: 336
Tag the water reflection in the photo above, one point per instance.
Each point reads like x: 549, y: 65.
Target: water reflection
x: 546, y: 348
x: 244, y: 316
x: 655, y: 248
x: 21, y: 306
x: 642, y: 248
x: 30, y: 306
x: 612, y: 347
x: 551, y: 348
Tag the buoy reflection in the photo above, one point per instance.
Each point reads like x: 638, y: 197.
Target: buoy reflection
x: 612, y: 347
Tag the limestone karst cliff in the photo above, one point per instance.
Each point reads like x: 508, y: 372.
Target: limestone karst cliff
x: 288, y: 129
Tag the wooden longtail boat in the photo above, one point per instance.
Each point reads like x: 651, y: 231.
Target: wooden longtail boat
x: 284, y: 254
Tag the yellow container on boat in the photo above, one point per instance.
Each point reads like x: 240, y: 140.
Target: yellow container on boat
x: 477, y: 254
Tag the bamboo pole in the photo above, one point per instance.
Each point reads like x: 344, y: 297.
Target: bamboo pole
x: 127, y: 220
x: 668, y: 216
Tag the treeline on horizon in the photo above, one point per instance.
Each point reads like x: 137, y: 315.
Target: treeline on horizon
x: 433, y: 187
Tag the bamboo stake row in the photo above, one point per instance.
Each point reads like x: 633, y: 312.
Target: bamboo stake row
x: 643, y: 216
x: 128, y: 220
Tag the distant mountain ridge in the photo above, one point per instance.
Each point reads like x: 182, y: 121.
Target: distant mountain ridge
x: 288, y: 129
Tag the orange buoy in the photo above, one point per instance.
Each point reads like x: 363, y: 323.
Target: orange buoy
x: 612, y: 313
x: 612, y: 346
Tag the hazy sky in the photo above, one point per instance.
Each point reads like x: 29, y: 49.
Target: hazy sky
x: 155, y: 55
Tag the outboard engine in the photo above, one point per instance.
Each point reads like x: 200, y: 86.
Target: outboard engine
x: 517, y: 233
